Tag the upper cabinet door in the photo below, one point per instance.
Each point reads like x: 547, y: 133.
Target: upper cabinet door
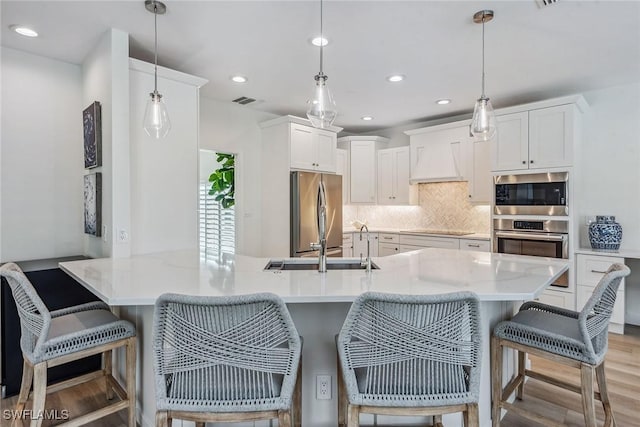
x: 480, y: 181
x: 303, y: 151
x: 551, y: 137
x: 342, y: 168
x: 510, y: 150
x: 363, y: 172
x: 387, y: 182
x: 326, y: 146
x: 313, y: 149
x: 401, y: 175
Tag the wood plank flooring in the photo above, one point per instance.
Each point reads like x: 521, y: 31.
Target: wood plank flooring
x: 623, y: 376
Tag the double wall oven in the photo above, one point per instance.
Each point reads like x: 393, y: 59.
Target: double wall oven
x: 535, y: 222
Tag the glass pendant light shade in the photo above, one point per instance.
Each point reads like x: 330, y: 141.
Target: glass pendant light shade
x: 483, y: 124
x: 321, y: 108
x: 156, y: 119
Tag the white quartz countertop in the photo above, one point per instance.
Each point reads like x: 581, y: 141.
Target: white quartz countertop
x: 373, y: 229
x: 140, y: 279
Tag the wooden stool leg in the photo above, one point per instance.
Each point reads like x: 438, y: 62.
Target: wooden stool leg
x: 496, y: 380
x: 200, y: 424
x: 522, y: 360
x: 162, y: 419
x: 473, y: 417
x: 39, y: 392
x: 437, y: 420
x: 588, y: 404
x: 25, y: 386
x: 107, y: 369
x: 131, y: 380
x: 297, y: 398
x: 609, y: 419
x: 284, y: 419
x: 353, y: 417
x: 342, y: 397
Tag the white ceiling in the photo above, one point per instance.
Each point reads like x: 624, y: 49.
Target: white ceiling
x: 532, y: 52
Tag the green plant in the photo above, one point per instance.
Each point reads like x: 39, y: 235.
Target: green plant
x: 223, y: 180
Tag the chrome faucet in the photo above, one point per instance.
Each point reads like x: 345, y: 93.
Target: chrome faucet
x: 321, y: 213
x: 367, y: 262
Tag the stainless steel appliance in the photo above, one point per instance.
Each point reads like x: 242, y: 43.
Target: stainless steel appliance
x: 532, y: 194
x: 308, y: 189
x: 546, y: 238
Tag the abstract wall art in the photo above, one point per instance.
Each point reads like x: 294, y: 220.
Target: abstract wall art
x: 92, y: 130
x: 93, y: 204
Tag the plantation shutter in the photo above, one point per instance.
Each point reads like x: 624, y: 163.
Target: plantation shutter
x: 217, y: 226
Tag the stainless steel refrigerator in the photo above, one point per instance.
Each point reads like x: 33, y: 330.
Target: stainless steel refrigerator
x: 305, y: 198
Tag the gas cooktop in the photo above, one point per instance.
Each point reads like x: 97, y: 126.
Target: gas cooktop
x: 443, y: 232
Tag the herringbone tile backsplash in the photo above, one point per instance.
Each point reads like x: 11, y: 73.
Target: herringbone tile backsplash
x: 442, y: 206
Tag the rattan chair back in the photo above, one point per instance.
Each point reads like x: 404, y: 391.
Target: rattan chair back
x: 224, y: 354
x: 404, y: 350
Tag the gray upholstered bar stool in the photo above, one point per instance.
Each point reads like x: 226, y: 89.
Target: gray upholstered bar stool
x: 576, y: 339
x: 410, y: 355
x: 226, y: 359
x: 53, y: 338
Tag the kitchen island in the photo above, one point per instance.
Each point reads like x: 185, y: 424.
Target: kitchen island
x: 318, y: 302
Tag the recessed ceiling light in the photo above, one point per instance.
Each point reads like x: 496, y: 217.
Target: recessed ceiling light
x: 317, y: 41
x: 239, y: 79
x: 24, y: 31
x: 395, y: 78
x: 366, y: 118
x: 443, y: 101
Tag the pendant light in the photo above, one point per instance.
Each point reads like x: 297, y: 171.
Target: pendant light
x: 156, y: 119
x: 483, y: 123
x: 321, y: 108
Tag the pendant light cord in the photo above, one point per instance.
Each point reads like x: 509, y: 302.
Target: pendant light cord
x: 483, y: 19
x: 155, y: 30
x: 321, y: 39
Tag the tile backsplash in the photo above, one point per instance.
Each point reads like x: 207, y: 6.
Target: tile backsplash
x: 442, y: 206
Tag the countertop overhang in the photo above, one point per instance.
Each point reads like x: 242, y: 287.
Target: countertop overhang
x: 140, y: 279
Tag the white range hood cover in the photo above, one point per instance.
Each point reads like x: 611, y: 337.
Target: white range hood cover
x: 438, y: 162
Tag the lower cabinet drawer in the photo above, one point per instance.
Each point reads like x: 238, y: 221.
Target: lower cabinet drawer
x: 385, y: 249
x: 388, y: 238
x: 591, y: 268
x: 430, y: 242
x: 559, y: 299
x: 475, y: 245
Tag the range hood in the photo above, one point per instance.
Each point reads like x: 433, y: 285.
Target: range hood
x: 436, y: 162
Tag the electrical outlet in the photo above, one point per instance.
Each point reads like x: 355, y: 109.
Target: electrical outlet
x: 123, y: 236
x: 323, y: 387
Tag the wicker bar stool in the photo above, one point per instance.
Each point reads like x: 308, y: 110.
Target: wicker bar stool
x: 577, y: 339
x: 226, y: 359
x: 410, y: 355
x: 53, y: 338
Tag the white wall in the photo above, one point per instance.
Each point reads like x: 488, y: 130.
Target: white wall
x: 610, y: 157
x: 106, y: 80
x: 42, y: 158
x: 229, y: 128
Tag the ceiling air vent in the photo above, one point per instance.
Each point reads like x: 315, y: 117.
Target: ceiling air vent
x: 543, y: 3
x: 243, y: 100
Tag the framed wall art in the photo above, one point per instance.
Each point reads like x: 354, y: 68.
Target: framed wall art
x: 93, y: 204
x: 92, y: 131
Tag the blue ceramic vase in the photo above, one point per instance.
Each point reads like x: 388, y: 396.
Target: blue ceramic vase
x: 605, y: 233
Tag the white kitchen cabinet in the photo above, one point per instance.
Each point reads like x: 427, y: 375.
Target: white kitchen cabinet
x: 539, y: 138
x: 342, y: 168
x: 393, y: 177
x: 362, y: 166
x: 347, y: 245
x: 313, y: 149
x: 590, y: 269
x: 360, y: 246
x: 557, y: 298
x: 429, y: 241
x: 479, y: 172
x: 475, y: 245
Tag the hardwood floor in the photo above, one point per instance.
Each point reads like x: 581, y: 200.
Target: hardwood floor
x: 623, y: 377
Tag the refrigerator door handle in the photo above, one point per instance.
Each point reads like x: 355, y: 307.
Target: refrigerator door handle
x: 321, y: 212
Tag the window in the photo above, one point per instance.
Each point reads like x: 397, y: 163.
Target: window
x: 217, y: 224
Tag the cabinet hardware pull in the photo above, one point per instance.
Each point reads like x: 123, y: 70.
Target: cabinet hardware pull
x: 531, y: 161
x: 388, y: 238
x: 598, y: 271
x: 473, y: 246
x: 524, y: 162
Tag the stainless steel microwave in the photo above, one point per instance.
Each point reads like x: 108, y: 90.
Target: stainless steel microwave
x: 532, y: 194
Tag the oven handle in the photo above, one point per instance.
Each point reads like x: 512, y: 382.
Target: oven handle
x: 531, y: 236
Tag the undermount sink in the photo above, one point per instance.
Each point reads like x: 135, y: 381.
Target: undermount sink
x: 279, y: 264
